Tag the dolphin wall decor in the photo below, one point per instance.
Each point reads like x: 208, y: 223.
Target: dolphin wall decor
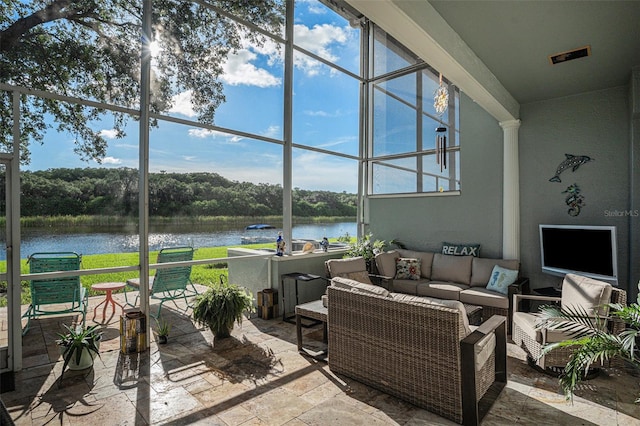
x: 572, y: 162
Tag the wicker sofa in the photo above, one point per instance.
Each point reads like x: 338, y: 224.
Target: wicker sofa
x: 462, y: 278
x: 419, y: 349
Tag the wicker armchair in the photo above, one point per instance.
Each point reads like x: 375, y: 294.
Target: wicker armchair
x: 354, y: 268
x: 590, y: 294
x: 423, y: 354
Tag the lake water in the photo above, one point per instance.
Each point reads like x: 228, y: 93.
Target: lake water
x: 46, y: 240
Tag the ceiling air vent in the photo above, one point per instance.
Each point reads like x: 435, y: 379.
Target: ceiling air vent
x: 570, y: 55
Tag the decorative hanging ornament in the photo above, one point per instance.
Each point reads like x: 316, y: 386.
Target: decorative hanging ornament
x: 441, y: 98
x: 441, y: 147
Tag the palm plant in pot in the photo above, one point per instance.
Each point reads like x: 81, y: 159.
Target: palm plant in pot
x: 592, y: 342
x: 220, y: 307
x: 79, y: 346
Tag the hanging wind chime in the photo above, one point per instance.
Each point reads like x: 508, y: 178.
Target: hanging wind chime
x: 440, y: 103
x: 441, y: 147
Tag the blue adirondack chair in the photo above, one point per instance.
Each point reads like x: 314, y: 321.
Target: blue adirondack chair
x: 67, y: 293
x: 168, y: 283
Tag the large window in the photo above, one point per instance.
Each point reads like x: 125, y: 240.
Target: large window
x: 406, y: 153
x: 224, y: 100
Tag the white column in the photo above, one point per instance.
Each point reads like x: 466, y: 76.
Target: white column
x: 511, y: 191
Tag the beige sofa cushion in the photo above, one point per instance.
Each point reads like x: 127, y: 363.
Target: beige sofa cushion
x: 406, y: 286
x: 440, y: 290
x: 456, y: 269
x: 453, y: 304
x: 426, y: 259
x: 484, y: 297
x: 357, y: 286
x: 587, y: 293
x: 529, y: 324
x: 360, y: 276
x: 483, y: 348
x: 481, y: 269
x: 386, y: 263
x: 336, y: 267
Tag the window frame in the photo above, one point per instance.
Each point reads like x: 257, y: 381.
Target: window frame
x: 448, y: 119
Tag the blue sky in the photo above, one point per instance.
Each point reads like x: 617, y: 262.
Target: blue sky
x: 325, y: 116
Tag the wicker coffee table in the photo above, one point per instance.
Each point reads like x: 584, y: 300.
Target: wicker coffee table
x: 316, y: 311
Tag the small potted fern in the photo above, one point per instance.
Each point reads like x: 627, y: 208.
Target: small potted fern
x: 220, y: 307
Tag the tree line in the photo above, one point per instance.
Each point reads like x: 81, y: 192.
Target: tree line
x: 99, y: 191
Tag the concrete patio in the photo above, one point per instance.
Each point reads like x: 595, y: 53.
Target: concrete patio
x: 257, y: 377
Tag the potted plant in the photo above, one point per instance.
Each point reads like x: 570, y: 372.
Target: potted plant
x: 79, y: 346
x: 367, y: 248
x: 164, y: 327
x: 220, y: 307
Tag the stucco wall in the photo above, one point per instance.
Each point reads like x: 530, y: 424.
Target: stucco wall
x: 595, y: 124
x: 474, y: 216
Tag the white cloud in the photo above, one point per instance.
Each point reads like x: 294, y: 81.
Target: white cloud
x: 111, y: 160
x: 315, y: 7
x: 321, y: 113
x: 201, y: 133
x: 181, y: 104
x: 313, y: 171
x: 206, y: 133
x: 318, y: 38
x: 108, y: 133
x: 272, y: 132
x: 238, y: 70
x: 345, y: 140
x: 273, y: 51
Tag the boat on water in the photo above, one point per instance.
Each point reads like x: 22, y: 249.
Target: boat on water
x: 260, y: 226
x: 258, y: 237
x: 257, y: 240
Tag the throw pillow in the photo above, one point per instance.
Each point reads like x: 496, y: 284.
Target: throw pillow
x: 501, y: 279
x: 407, y: 268
x: 461, y: 249
x: 360, y: 276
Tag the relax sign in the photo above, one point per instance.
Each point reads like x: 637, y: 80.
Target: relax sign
x: 461, y: 249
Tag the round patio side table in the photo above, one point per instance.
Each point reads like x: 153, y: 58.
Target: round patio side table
x: 108, y: 288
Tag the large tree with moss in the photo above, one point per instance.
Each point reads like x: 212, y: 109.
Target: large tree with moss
x: 91, y: 49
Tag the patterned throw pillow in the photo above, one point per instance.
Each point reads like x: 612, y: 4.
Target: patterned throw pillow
x: 407, y: 268
x: 501, y: 279
x: 461, y: 249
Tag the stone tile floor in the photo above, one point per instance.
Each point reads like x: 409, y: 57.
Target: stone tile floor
x: 257, y: 377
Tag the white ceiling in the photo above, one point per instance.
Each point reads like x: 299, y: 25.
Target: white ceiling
x: 514, y: 39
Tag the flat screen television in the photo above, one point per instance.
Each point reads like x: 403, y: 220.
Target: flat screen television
x: 579, y: 249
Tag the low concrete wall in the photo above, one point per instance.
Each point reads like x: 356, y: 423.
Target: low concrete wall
x: 257, y: 270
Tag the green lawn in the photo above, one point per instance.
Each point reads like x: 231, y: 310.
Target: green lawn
x: 200, y: 274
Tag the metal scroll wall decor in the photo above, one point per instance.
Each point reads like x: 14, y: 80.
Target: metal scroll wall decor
x: 574, y: 199
x: 440, y: 104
